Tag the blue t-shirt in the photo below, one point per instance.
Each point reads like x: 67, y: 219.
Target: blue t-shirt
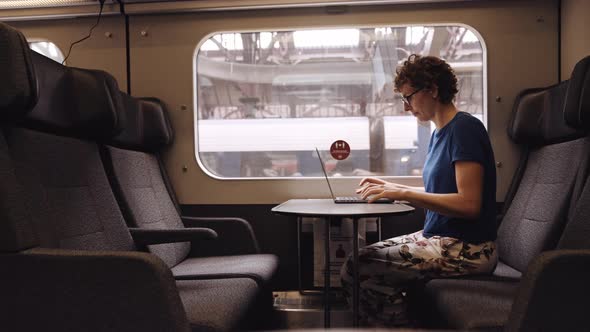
x: 464, y: 138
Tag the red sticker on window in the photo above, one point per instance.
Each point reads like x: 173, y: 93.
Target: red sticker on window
x: 340, y: 150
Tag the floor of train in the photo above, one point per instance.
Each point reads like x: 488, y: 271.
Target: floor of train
x: 295, y: 310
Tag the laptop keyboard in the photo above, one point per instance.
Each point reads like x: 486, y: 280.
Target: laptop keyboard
x: 356, y: 199
x: 350, y: 199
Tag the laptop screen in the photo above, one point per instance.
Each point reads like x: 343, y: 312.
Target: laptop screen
x: 325, y: 173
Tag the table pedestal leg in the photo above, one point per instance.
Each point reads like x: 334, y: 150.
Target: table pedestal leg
x: 299, y: 282
x: 355, y: 276
x: 327, y: 275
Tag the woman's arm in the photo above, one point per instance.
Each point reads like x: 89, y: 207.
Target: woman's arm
x: 466, y: 203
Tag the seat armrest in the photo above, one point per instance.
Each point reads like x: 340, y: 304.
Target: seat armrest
x: 146, y: 236
x: 553, y: 293
x: 236, y: 236
x: 73, y: 290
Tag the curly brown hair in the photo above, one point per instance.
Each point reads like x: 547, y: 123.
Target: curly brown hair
x: 426, y: 72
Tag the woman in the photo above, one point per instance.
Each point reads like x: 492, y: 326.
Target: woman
x: 459, y: 198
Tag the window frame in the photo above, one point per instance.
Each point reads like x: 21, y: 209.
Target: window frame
x: 484, y: 66
x: 45, y: 40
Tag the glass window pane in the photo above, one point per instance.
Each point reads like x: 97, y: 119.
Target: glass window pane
x: 48, y: 49
x: 265, y: 100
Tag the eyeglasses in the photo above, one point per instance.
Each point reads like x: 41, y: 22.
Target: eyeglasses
x: 407, y: 99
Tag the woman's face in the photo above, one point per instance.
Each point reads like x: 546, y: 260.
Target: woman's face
x: 420, y: 102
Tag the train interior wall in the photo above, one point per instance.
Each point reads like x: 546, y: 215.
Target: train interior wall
x: 522, y: 51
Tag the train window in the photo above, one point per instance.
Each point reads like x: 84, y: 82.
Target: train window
x: 47, y: 48
x: 265, y: 100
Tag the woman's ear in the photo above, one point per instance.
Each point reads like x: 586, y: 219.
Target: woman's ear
x: 434, y: 92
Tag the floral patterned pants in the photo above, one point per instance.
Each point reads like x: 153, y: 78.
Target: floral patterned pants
x: 388, y: 268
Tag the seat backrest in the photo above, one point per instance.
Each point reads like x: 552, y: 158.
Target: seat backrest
x: 19, y: 95
x: 18, y: 83
x: 576, y: 234
x: 552, y: 178
x: 552, y: 295
x: 58, y: 162
x: 134, y: 168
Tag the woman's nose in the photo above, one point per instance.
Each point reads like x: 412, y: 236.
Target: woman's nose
x: 407, y: 107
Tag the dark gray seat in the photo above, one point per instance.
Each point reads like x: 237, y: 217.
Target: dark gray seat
x: 65, y: 248
x: 41, y: 288
x: 553, y: 294
x: 547, y: 193
x: 144, y: 193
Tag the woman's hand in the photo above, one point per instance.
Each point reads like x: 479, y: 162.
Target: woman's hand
x: 372, y: 189
x: 368, y: 181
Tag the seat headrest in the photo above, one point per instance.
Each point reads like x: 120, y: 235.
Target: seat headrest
x: 577, y: 101
x: 147, y: 126
x: 538, y: 118
x: 18, y: 83
x: 75, y: 102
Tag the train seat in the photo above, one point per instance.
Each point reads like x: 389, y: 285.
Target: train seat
x: 148, y: 203
x: 555, y: 136
x: 41, y: 288
x: 69, y: 259
x: 141, y: 187
x: 553, y: 293
x: 19, y: 95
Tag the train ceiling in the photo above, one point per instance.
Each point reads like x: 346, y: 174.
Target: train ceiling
x: 210, y: 4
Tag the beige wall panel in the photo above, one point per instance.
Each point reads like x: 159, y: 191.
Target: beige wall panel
x: 575, y: 36
x: 521, y: 41
x: 96, y: 52
x: 39, y: 12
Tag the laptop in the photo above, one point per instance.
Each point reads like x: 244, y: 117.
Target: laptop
x: 345, y: 199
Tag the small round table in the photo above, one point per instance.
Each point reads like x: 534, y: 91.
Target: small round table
x: 328, y: 210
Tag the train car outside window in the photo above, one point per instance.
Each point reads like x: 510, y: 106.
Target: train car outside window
x: 265, y: 100
x: 47, y: 48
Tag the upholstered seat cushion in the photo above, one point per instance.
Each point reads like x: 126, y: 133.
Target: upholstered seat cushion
x: 217, y: 305
x: 260, y: 267
x: 469, y: 304
x: 504, y: 271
